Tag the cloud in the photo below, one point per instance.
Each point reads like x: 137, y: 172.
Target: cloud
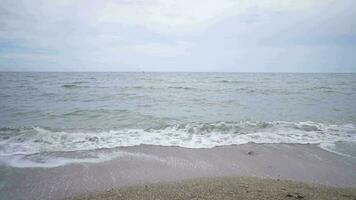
x: 188, y: 35
x: 182, y: 16
x: 161, y: 50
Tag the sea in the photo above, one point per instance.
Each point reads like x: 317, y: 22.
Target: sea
x: 54, y: 119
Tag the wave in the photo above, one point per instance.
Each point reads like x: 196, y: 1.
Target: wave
x: 70, y: 86
x: 323, y: 89
x: 233, y: 81
x: 76, y: 84
x: 182, y: 88
x: 95, y: 112
x: 250, y: 90
x: 159, y: 88
x: 191, y: 135
x: 79, y: 82
x: 38, y: 146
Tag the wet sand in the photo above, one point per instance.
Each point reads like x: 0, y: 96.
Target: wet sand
x: 156, y: 164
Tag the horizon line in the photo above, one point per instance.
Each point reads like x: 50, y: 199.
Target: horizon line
x: 276, y: 72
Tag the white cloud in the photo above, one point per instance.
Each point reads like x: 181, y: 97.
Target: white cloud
x: 165, y: 16
x: 176, y: 49
x: 174, y: 16
x: 199, y: 33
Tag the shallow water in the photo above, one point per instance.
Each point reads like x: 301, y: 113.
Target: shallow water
x: 50, y: 119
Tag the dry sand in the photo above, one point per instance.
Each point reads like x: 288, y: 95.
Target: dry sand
x: 227, y: 188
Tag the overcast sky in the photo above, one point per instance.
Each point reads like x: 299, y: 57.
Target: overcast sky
x: 178, y: 35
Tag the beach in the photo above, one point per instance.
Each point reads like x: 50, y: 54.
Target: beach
x: 227, y: 188
x: 167, y: 99
x: 146, y: 164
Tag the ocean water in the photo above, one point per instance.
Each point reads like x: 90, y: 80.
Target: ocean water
x: 53, y: 119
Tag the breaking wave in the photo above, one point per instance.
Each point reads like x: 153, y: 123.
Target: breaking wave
x: 43, y: 141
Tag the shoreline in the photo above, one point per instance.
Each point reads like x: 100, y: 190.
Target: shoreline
x: 147, y: 164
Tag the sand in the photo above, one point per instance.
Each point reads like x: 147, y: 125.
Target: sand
x: 227, y: 188
x: 147, y: 164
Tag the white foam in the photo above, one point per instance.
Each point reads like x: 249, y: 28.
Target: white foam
x: 191, y: 135
x: 22, y: 161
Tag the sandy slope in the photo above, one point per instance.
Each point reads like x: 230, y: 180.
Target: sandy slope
x: 228, y: 188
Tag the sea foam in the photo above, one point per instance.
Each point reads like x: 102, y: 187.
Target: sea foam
x: 41, y: 141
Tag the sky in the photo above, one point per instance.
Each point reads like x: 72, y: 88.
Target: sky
x: 178, y: 35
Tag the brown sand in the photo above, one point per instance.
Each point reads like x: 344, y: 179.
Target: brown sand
x: 156, y: 164
x: 227, y: 188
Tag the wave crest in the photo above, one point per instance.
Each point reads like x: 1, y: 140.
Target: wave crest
x: 192, y: 135
x: 44, y: 147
